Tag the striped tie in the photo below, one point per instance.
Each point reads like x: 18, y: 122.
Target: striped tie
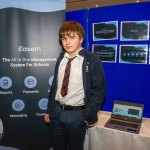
x: 64, y: 88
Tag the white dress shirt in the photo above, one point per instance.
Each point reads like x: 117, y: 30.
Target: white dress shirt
x: 75, y: 95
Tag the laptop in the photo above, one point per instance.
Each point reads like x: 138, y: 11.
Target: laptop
x: 126, y: 116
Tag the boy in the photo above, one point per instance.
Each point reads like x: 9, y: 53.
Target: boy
x: 77, y: 92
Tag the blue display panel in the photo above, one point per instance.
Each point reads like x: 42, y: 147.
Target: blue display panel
x: 125, y: 81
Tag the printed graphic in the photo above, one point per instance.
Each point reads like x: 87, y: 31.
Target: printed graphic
x: 133, y: 54
x: 107, y: 53
x: 134, y: 30
x: 29, y: 48
x: 18, y: 105
x: 43, y: 104
x: 30, y: 82
x: 5, y: 82
x: 105, y: 30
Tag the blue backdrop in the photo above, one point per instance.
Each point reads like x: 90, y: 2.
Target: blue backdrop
x: 125, y: 82
x: 80, y: 16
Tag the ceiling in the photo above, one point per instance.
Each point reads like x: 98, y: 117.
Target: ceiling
x: 72, y: 5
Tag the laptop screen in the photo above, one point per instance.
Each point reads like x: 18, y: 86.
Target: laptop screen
x: 128, y: 110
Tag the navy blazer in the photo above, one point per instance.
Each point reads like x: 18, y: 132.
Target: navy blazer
x: 94, y: 84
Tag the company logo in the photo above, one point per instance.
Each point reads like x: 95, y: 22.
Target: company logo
x: 51, y: 80
x: 29, y: 49
x: 43, y: 104
x: 18, y: 105
x: 5, y: 82
x: 30, y: 82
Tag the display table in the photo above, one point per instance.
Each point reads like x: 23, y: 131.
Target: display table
x: 102, y: 138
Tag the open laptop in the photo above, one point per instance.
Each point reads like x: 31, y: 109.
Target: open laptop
x: 126, y: 116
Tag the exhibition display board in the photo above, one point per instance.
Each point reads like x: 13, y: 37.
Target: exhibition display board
x: 29, y: 47
x: 119, y: 35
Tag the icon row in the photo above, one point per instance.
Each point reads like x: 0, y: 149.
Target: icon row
x: 29, y: 82
x: 19, y: 105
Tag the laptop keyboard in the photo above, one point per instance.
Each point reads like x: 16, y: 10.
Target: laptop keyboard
x: 126, y: 124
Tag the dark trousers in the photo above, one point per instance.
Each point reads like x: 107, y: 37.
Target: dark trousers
x: 68, y: 130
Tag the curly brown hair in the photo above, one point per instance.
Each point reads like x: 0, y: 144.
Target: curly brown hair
x: 71, y: 26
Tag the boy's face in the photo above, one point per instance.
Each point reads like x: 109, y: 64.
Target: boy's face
x: 71, y: 43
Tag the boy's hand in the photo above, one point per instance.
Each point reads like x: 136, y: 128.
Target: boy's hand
x: 46, y: 118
